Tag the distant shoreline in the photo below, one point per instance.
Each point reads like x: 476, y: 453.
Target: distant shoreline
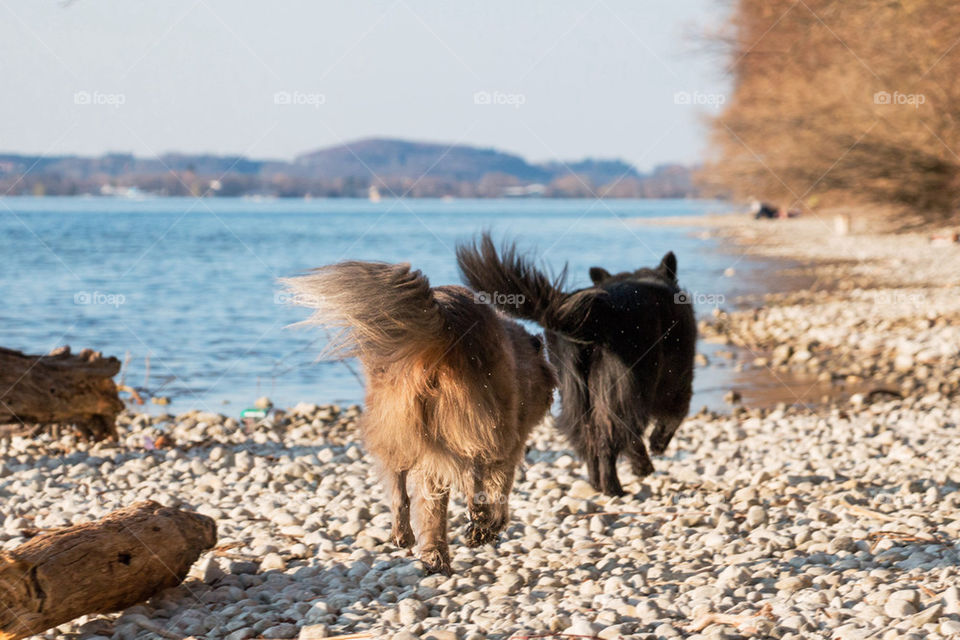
x: 371, y: 167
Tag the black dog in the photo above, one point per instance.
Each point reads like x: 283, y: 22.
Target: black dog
x: 624, y: 351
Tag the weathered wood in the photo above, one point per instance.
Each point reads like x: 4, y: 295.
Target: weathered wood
x: 98, y: 567
x: 59, y: 388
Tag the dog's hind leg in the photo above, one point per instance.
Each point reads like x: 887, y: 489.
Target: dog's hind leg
x: 663, y: 433
x: 602, y: 449
x: 640, y: 460
x: 400, y: 506
x: 593, y: 469
x: 602, y: 469
x: 430, y: 504
x: 609, y: 481
x: 670, y: 411
x: 489, y: 503
x: 591, y: 443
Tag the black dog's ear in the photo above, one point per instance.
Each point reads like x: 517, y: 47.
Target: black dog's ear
x: 669, y: 265
x: 598, y: 274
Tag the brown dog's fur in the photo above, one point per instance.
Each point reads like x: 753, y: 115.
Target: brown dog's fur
x: 453, y: 390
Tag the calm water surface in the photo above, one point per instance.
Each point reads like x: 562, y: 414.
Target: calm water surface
x: 190, y: 285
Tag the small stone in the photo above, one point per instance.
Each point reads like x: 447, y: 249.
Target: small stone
x: 243, y: 567
x: 313, y: 632
x: 902, y: 604
x: 756, y: 516
x: 930, y: 614
x: 209, y: 570
x: 714, y: 540
x: 951, y: 598
x: 794, y: 583
x: 666, y: 630
x: 318, y: 612
x: 509, y: 584
x: 285, y: 630
x: 949, y: 627
x: 263, y: 402
x: 842, y: 543
x: 583, y: 627
x: 732, y: 577
x: 581, y: 489
x: 411, y: 611
x: 825, y: 516
x: 614, y: 632
x: 648, y: 611
x: 272, y: 562
x: 782, y: 353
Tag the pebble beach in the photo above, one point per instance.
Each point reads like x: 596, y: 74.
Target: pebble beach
x: 838, y: 518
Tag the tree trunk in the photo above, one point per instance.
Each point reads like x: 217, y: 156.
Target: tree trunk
x: 60, y: 388
x: 98, y: 567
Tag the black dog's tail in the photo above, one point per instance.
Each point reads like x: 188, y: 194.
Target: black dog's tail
x: 513, y: 284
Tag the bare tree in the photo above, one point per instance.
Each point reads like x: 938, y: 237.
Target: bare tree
x: 846, y: 102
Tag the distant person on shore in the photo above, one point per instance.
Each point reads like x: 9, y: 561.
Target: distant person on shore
x: 763, y: 211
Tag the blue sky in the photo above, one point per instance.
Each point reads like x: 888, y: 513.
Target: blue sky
x: 545, y: 79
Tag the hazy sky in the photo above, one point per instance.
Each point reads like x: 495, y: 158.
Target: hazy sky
x: 545, y: 79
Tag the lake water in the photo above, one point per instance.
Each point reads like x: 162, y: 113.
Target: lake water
x: 190, y: 285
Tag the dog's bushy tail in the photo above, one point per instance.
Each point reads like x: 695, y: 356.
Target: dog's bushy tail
x: 384, y: 312
x: 512, y: 283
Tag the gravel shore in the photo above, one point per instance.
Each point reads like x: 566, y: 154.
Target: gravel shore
x: 882, y: 317
x: 836, y: 521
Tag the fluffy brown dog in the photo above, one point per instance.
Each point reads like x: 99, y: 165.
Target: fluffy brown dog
x: 453, y: 390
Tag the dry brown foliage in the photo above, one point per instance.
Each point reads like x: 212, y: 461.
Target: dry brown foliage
x: 841, y: 102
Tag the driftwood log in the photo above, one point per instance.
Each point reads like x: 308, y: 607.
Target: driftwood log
x: 98, y: 567
x: 59, y: 388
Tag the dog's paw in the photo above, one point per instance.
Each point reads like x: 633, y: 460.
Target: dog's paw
x: 436, y: 561
x: 403, y: 538
x: 614, y: 491
x: 642, y: 468
x: 609, y: 484
x: 658, y: 447
x: 661, y: 437
x: 476, y: 536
